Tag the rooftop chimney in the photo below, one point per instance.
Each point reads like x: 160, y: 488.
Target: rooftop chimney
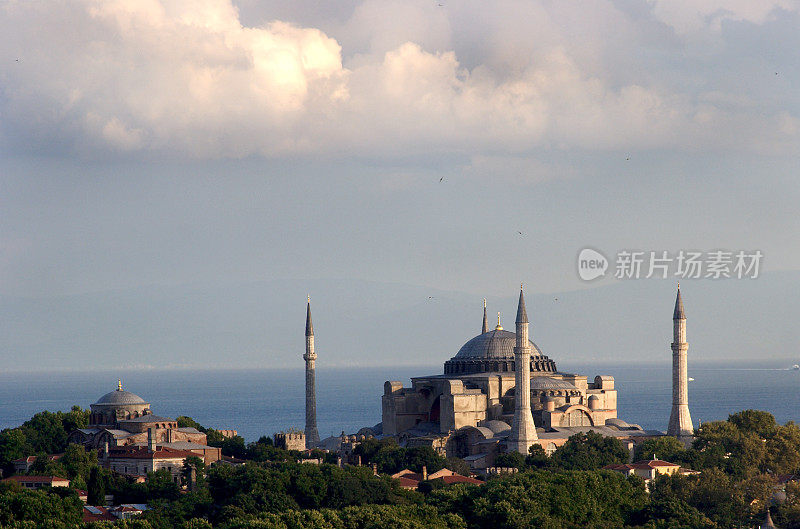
x: 151, y: 440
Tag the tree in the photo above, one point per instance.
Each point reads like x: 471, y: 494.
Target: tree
x: 39, y: 508
x: 510, y: 460
x: 45, y: 466
x: 13, y: 445
x: 187, y: 422
x: 537, y: 457
x: 673, y: 512
x: 783, y: 450
x: 667, y: 448
x: 77, y: 461
x: 721, y: 444
x: 96, y: 493
x: 761, y: 423
x: 419, y: 456
x: 197, y: 465
x: 589, y: 451
x: 456, y: 464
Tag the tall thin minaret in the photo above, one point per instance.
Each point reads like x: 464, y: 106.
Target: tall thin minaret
x: 485, y: 327
x: 680, y: 422
x: 312, y: 435
x: 523, y: 431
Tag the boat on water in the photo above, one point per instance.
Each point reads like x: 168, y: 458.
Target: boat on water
x: 796, y: 367
x: 691, y: 379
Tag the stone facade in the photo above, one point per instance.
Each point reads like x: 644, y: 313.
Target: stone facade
x: 680, y: 421
x: 311, y: 432
x: 523, y: 431
x: 469, y: 411
x: 122, y: 418
x: 291, y: 440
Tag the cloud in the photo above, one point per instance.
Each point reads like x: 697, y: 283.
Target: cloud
x: 188, y: 77
x: 688, y: 16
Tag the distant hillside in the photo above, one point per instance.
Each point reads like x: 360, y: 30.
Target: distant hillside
x: 366, y: 323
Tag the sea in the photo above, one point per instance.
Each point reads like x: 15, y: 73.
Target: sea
x: 258, y: 402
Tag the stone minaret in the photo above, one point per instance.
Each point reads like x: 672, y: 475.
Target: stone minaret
x: 523, y: 431
x: 312, y: 435
x: 680, y: 422
x: 485, y: 327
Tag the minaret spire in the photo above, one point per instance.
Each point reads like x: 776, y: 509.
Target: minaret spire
x: 523, y: 430
x: 678, y: 313
x: 309, y: 324
x: 485, y: 327
x: 312, y: 435
x: 680, y: 421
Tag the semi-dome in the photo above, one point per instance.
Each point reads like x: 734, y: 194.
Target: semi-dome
x: 497, y: 343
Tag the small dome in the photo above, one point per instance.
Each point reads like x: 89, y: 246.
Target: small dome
x: 493, y: 344
x: 495, y: 426
x: 120, y: 396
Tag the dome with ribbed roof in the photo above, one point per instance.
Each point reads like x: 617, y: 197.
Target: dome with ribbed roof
x: 493, y: 352
x: 497, y: 343
x: 120, y: 396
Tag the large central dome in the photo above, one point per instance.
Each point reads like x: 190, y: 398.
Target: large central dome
x: 493, y: 352
x: 493, y: 344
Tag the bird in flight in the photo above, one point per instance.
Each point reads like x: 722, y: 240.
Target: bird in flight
x: 442, y: 178
x: 519, y: 232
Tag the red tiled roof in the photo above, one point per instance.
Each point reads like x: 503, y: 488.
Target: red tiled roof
x: 32, y: 459
x: 407, y: 483
x: 406, y: 473
x: 460, y: 479
x: 36, y: 479
x: 618, y: 466
x: 658, y: 463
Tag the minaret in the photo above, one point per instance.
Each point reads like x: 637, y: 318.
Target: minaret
x: 680, y: 422
x: 523, y: 431
x: 485, y: 327
x: 312, y: 435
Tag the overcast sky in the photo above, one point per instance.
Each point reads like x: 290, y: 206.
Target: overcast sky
x: 461, y: 145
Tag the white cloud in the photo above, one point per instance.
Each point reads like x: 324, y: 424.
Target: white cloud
x: 175, y: 75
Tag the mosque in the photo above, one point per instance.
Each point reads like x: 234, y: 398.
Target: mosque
x: 473, y: 409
